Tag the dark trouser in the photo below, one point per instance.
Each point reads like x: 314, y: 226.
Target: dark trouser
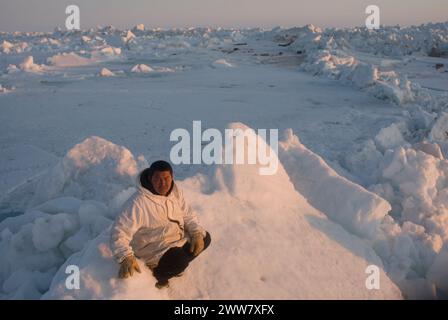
x: 176, y: 260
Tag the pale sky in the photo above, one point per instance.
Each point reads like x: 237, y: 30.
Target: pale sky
x: 45, y: 15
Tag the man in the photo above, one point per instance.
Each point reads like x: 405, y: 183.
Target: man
x: 156, y: 225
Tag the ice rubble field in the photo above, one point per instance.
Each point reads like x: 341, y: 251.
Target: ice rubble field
x: 366, y: 183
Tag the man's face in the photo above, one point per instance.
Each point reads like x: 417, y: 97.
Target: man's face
x: 161, y: 182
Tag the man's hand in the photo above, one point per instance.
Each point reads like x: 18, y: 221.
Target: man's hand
x: 127, y: 267
x: 196, y: 244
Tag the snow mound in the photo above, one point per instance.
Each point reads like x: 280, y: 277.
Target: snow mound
x: 257, y: 251
x: 222, y: 63
x: 390, y: 137
x: 106, y: 73
x: 422, y: 180
x: 28, y: 65
x: 141, y: 68
x: 98, y: 277
x: 68, y: 60
x: 102, y: 283
x: 128, y: 37
x: 414, y: 180
x: 6, y: 47
x: 110, y: 51
x: 86, y: 39
x: 79, y: 171
x: 365, y: 75
x: 13, y: 48
x: 74, y: 202
x: 139, y: 28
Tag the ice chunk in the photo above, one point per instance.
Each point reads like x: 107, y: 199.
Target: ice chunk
x: 128, y: 37
x: 439, y: 131
x: 28, y: 65
x: 390, y: 137
x: 49, y: 232
x: 139, y: 27
x: 112, y: 51
x: 106, y: 73
x: 68, y: 60
x: 430, y: 148
x: 365, y: 75
x: 222, y: 63
x: 142, y: 68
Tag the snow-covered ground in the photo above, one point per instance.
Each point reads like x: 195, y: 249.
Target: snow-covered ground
x: 362, y: 177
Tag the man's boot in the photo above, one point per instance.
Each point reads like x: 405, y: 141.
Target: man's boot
x: 160, y: 284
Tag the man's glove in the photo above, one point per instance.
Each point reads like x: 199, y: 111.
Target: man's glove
x: 127, y: 267
x: 196, y: 244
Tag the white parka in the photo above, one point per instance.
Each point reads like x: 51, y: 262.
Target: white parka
x: 150, y: 224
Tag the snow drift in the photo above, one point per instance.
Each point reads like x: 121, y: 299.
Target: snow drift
x: 343, y: 201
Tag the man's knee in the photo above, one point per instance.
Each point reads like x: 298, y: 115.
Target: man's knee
x: 173, y: 261
x: 174, y: 255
